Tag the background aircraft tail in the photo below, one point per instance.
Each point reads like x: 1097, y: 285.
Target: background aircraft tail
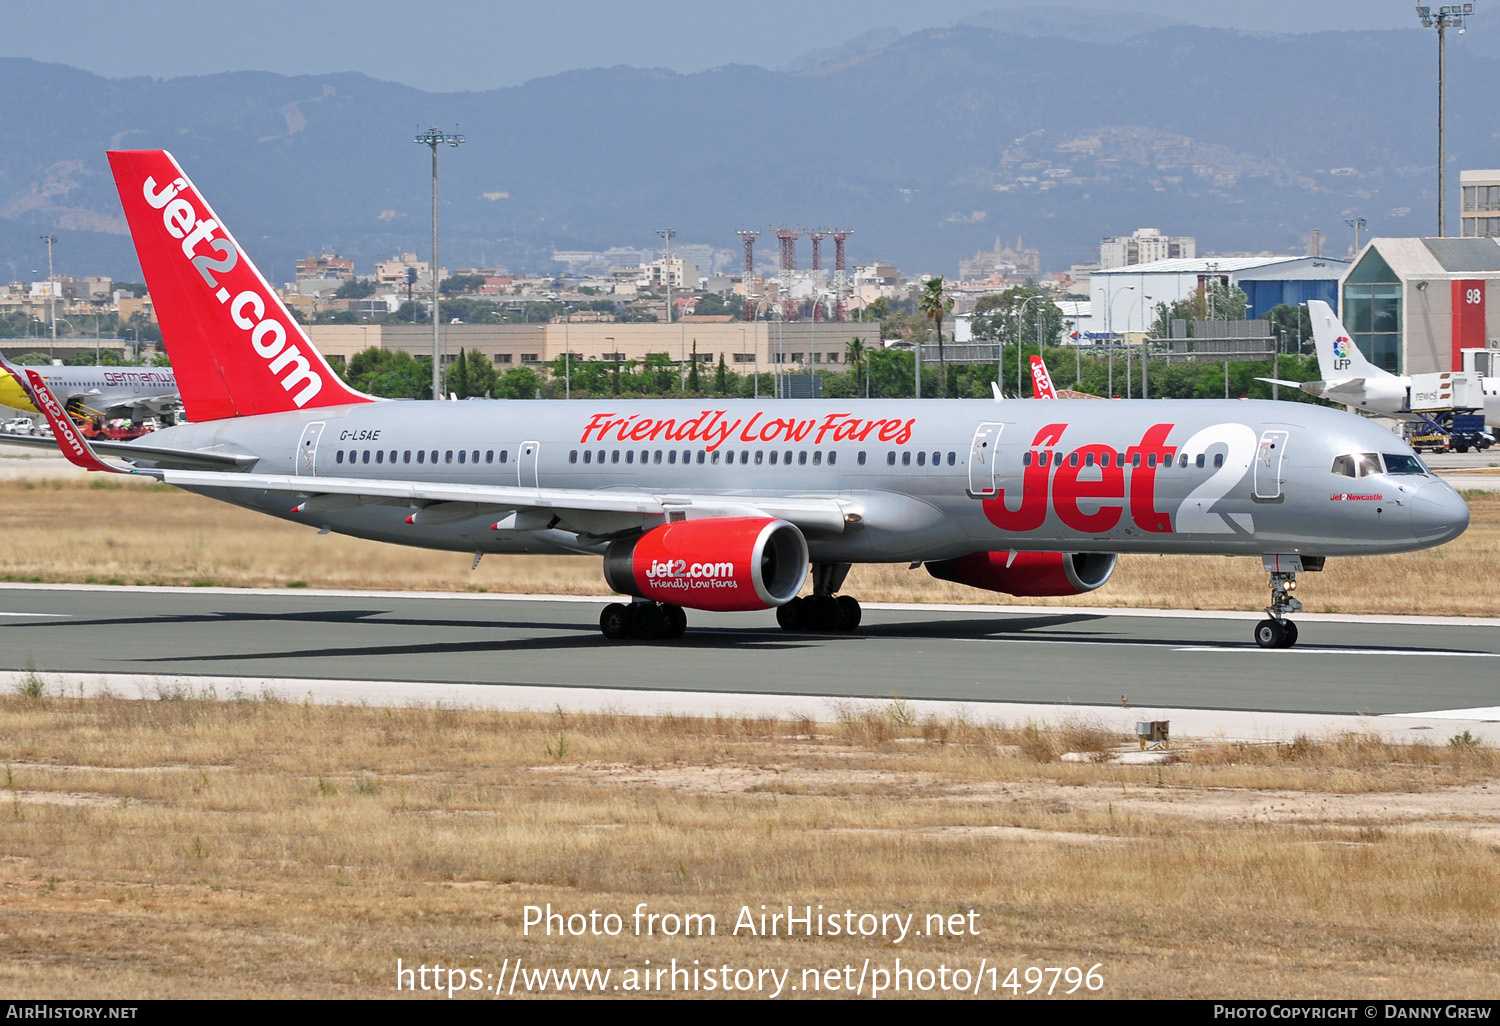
x: 235, y: 348
x: 1041, y: 381
x: 1339, y: 359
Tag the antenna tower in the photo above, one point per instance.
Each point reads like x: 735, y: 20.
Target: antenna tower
x: 840, y: 274
x: 788, y: 237
x: 748, y: 237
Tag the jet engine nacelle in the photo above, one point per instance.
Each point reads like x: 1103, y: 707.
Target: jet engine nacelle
x: 1029, y: 574
x: 724, y: 564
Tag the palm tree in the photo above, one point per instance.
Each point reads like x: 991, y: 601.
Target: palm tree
x: 855, y: 356
x: 936, y: 305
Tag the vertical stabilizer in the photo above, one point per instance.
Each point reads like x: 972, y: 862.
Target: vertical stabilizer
x: 1339, y: 359
x: 235, y: 348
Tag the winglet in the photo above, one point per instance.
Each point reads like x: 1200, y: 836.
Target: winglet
x: 73, y: 445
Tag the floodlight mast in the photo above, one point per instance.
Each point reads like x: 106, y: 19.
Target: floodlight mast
x: 1441, y: 19
x: 434, y: 138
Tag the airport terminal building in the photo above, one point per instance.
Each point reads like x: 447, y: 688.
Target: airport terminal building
x: 1414, y: 305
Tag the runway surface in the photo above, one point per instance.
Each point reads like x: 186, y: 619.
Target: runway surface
x: 1077, y: 657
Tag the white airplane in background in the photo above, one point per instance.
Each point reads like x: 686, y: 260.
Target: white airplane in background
x: 103, y: 391
x: 722, y: 505
x: 1353, y: 381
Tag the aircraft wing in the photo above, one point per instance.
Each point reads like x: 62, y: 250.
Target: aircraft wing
x: 155, y: 455
x: 592, y: 511
x: 1281, y: 381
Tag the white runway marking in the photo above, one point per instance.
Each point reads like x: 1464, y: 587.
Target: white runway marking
x: 1344, y: 651
x: 2, y: 613
x: 1489, y: 713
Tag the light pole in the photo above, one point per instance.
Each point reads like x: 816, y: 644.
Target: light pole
x: 1145, y: 344
x: 51, y: 240
x: 434, y: 138
x: 1451, y: 14
x: 1016, y: 330
x: 666, y: 266
x: 1356, y: 223
x: 1109, y: 327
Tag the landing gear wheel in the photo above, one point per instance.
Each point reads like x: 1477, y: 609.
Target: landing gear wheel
x: 847, y: 614
x: 676, y: 622
x: 615, y: 621
x: 1291, y: 634
x: 789, y: 616
x: 650, y: 621
x: 819, y: 613
x: 1268, y: 634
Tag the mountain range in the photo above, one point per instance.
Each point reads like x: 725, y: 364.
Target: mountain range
x: 928, y: 146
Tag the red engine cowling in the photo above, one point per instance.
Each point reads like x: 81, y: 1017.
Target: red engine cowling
x: 725, y: 565
x: 1029, y: 574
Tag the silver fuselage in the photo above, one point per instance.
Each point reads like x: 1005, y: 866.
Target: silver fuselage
x: 930, y: 479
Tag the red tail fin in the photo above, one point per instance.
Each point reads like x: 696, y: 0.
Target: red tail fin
x: 73, y: 445
x: 1041, y: 381
x: 235, y: 349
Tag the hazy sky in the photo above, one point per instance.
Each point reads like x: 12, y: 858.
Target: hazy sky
x: 446, y: 45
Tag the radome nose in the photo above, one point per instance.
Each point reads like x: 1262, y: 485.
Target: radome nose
x: 1438, y: 513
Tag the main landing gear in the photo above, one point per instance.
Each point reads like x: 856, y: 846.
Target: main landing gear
x: 643, y: 620
x: 822, y: 610
x: 1277, y: 631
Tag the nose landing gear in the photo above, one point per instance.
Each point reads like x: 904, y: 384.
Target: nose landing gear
x: 1277, y: 631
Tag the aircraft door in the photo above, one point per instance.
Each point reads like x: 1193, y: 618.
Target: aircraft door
x: 982, y: 460
x: 526, y: 463
x: 307, y: 449
x: 1268, y: 460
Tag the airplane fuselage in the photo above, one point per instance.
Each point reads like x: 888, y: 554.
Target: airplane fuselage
x: 100, y: 389
x: 923, y: 480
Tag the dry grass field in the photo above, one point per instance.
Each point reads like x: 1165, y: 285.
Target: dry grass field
x: 76, y: 529
x: 233, y: 846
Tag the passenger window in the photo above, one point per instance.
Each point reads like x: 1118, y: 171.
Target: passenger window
x: 833, y: 458
x: 817, y: 457
x: 952, y: 459
x: 906, y: 459
x: 434, y: 456
x: 802, y: 458
x: 1026, y: 459
x: 774, y: 457
x: 1088, y: 459
x: 406, y: 456
x: 701, y: 457
x: 473, y: 459
x: 687, y: 456
x: 760, y: 457
x: 629, y: 455
x: 786, y: 457
x: 1119, y: 459
x: 729, y: 457
x: 1072, y: 459
x: 461, y: 456
x: 656, y: 457
x: 366, y: 458
x: 1041, y: 458
x: 614, y: 456
x: 744, y: 457
x: 1200, y: 460
x: 448, y: 456
x: 1135, y: 459
x: 338, y: 457
x: 1343, y: 466
x: 1150, y: 460
x: 921, y: 459
x: 572, y: 455
x: 672, y: 457
x: 597, y: 459
x: 890, y: 459
x: 1218, y: 460
x: 588, y: 456
x: 489, y: 456
x: 505, y: 455
x: 715, y: 460
x: 421, y: 455
x: 1182, y: 463
x: 860, y: 459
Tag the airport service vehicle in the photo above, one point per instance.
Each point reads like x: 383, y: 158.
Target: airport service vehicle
x: 722, y: 505
x: 1353, y: 381
x: 102, y: 393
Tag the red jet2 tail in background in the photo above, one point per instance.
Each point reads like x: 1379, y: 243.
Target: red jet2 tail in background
x: 1041, y: 381
x: 235, y: 349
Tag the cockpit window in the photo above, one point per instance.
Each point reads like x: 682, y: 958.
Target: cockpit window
x: 1359, y: 464
x: 1400, y: 463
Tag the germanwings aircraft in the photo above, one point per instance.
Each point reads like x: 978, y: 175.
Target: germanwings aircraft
x: 90, y: 391
x: 1353, y: 381
x: 722, y: 504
